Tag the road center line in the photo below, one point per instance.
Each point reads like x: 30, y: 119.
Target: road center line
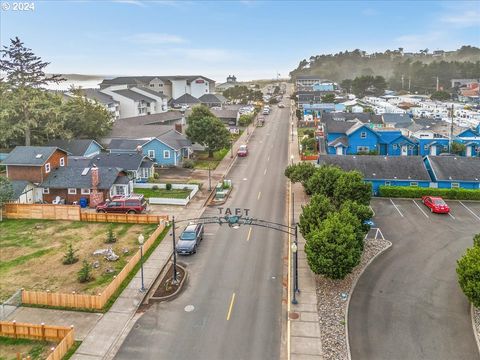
x: 265, y: 171
x: 268, y: 159
x: 465, y: 206
x: 231, y: 307
x: 396, y: 208
x: 259, y: 194
x: 419, y: 208
x: 249, y: 233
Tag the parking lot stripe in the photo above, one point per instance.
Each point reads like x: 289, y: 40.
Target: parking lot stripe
x: 449, y: 213
x: 396, y: 208
x: 465, y: 206
x: 371, y: 208
x: 259, y: 194
x: 419, y: 208
x: 381, y: 234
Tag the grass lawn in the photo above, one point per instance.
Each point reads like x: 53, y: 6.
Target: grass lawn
x: 32, y: 252
x: 204, y: 162
x: 163, y: 193
x: 37, y: 350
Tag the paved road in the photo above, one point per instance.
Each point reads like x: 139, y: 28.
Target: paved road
x: 235, y: 280
x: 408, y: 305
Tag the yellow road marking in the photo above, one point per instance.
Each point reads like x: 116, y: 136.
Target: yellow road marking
x: 265, y: 171
x: 259, y: 194
x: 231, y: 306
x: 249, y: 234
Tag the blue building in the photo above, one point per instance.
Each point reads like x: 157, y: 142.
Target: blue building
x: 471, y: 139
x: 450, y: 172
x: 167, y: 149
x: 383, y: 170
x: 394, y: 143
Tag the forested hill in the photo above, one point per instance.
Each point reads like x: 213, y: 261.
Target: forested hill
x: 391, y: 63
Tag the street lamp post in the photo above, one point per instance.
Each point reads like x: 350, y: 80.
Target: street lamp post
x: 231, y: 148
x: 294, y: 248
x: 140, y: 241
x: 209, y: 178
x: 174, y: 252
x: 292, y: 130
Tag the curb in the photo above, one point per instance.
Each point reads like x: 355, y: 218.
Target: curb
x: 177, y: 292
x: 477, y: 339
x: 349, y: 355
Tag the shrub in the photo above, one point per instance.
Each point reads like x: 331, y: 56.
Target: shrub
x: 418, y: 192
x: 468, y: 272
x: 155, y: 187
x: 111, y: 237
x: 151, y: 179
x: 70, y: 257
x: 85, y: 273
x: 156, y: 176
x: 188, y: 164
x: 168, y: 186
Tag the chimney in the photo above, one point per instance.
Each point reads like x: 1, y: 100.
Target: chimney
x: 95, y: 177
x: 178, y: 127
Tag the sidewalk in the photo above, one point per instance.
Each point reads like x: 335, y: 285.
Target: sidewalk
x: 305, y: 341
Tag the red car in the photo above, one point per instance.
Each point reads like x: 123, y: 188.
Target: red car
x: 242, y: 151
x: 436, y: 204
x: 133, y: 204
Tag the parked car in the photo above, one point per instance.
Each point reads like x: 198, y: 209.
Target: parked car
x: 436, y: 204
x: 281, y: 105
x: 190, y: 239
x: 266, y: 112
x: 133, y: 204
x: 242, y: 151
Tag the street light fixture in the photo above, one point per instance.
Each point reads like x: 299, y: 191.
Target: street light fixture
x: 291, y: 159
x: 294, y: 248
x: 140, y: 241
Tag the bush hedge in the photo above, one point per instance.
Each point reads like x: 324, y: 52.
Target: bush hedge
x: 418, y: 192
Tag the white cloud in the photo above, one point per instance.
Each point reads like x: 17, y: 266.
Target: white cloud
x: 155, y: 38
x: 369, y: 12
x: 130, y: 2
x: 206, y: 55
x: 415, y: 42
x: 466, y: 19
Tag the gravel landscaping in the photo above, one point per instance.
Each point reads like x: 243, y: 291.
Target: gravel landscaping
x: 333, y: 302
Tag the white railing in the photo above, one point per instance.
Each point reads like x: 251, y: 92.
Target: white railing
x: 169, y: 201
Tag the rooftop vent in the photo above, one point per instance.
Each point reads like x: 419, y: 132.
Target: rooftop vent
x: 85, y: 171
x: 394, y: 177
x: 374, y: 174
x: 38, y: 156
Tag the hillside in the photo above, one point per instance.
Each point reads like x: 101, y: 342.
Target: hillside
x: 349, y: 64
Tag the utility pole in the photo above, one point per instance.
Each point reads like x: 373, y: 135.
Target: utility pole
x: 402, y: 82
x: 437, y: 84
x: 451, y: 134
x: 409, y: 83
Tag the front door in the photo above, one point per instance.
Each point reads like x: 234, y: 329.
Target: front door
x: 404, y: 150
x: 469, y: 151
x: 433, y: 150
x: 339, y: 150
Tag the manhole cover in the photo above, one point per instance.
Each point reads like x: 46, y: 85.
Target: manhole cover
x: 293, y: 315
x: 189, y: 308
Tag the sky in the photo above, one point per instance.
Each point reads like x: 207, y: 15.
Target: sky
x: 250, y: 39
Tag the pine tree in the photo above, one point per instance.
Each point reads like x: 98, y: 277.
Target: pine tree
x: 70, y: 257
x: 85, y: 273
x: 111, y: 237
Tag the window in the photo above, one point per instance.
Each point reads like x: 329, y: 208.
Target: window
x: 62, y: 161
x: 47, y: 168
x: 166, y: 154
x: 445, y: 147
x: 394, y: 146
x: 388, y: 183
x: 455, y: 185
x: 85, y: 191
x: 425, y: 147
x: 363, y: 149
x: 410, y: 147
x: 152, y: 85
x: 72, y: 191
x: 413, y: 183
x: 151, y: 154
x: 46, y: 190
x: 119, y: 190
x: 363, y: 135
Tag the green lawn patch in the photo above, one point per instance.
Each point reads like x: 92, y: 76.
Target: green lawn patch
x: 164, y: 193
x: 37, y: 350
x: 72, y: 350
x: 204, y: 162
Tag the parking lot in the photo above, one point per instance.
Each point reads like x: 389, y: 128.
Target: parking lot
x: 407, y: 304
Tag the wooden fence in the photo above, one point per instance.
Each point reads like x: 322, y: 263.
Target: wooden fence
x: 123, y: 218
x: 84, y: 301
x: 65, y: 336
x: 73, y: 213
x: 42, y: 211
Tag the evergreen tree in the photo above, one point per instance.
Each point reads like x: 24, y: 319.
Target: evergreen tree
x: 70, y: 257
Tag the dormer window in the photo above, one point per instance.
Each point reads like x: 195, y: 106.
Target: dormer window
x: 62, y: 161
x: 47, y: 168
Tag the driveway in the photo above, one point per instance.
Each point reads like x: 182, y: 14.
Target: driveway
x: 408, y: 304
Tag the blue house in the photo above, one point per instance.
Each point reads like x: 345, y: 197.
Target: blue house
x: 394, y: 143
x: 167, y: 149
x: 450, y: 172
x: 383, y: 170
x: 471, y: 139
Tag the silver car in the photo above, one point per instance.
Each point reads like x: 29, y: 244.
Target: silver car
x: 190, y: 239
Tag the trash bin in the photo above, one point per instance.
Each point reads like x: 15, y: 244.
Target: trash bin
x: 83, y: 202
